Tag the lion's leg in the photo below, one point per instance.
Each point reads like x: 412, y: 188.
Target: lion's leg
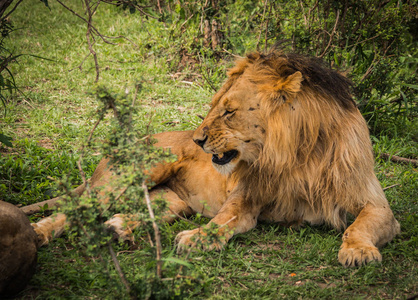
x: 123, y: 225
x: 49, y: 228
x: 234, y: 217
x: 374, y: 227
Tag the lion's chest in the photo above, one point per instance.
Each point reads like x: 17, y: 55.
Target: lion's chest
x: 292, y: 213
x: 202, y: 188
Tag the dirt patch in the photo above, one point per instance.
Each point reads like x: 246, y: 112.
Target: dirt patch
x: 46, y: 143
x: 270, y: 246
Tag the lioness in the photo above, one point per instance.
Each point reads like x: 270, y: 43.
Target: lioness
x: 289, y: 145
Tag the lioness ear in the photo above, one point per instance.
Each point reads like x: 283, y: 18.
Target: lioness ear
x: 290, y: 84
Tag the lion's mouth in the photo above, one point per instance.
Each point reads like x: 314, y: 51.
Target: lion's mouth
x: 224, y: 158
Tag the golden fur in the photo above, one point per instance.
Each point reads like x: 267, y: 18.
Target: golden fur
x: 292, y: 147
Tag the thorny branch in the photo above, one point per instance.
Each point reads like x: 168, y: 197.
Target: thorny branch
x: 118, y: 268
x: 156, y: 230
x: 331, y: 35
x: 83, y: 175
x: 131, y: 4
x: 89, y: 34
x: 5, y: 6
x: 91, y: 30
x: 261, y: 28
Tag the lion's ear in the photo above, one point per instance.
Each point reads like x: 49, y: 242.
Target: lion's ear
x: 290, y: 84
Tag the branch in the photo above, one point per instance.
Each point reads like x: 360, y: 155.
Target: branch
x: 118, y: 268
x: 266, y: 31
x: 8, y: 14
x: 370, y: 69
x: 156, y: 230
x: 331, y: 35
x: 398, y: 159
x: 391, y: 186
x: 83, y: 175
x: 204, y: 76
x: 129, y: 3
x: 88, y: 34
x: 261, y: 28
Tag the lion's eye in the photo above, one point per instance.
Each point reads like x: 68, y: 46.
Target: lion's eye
x: 228, y: 112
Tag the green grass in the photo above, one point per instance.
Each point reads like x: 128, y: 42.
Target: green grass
x: 54, y: 113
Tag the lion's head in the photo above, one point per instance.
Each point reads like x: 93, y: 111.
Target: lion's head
x: 289, y: 126
x: 271, y: 99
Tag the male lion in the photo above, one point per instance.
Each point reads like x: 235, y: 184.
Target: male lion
x: 290, y: 146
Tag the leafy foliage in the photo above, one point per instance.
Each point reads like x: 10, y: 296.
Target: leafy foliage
x: 179, y: 70
x: 131, y: 153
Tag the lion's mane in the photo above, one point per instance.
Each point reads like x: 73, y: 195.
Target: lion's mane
x: 317, y: 154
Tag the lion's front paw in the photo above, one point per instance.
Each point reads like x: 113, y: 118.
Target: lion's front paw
x: 355, y: 255
x: 43, y: 236
x: 120, y: 230
x: 196, y: 239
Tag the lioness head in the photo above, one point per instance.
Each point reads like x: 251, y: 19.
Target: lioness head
x: 236, y: 126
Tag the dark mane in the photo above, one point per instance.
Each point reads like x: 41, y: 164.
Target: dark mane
x: 317, y: 76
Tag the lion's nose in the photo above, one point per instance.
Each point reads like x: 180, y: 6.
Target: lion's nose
x: 201, y: 141
x: 200, y: 137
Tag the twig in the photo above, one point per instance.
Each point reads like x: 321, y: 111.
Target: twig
x: 83, y: 175
x: 229, y: 221
x: 156, y: 230
x: 184, y: 23
x: 204, y: 76
x: 116, y: 199
x: 331, y: 35
x: 311, y: 9
x: 96, y: 31
x: 178, y: 276
x: 369, y: 70
x: 391, y: 186
x: 401, y: 160
x: 133, y: 102
x: 183, y: 218
x: 303, y: 12
x: 28, y: 103
x: 88, y: 35
x: 8, y: 14
x: 259, y: 35
x: 266, y: 31
x: 118, y: 268
x: 81, y: 64
x: 137, y: 7
x: 5, y: 62
x: 232, y: 54
x: 115, y: 111
x: 91, y: 29
x: 94, y: 128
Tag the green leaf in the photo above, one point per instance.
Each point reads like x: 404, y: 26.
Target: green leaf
x: 6, y: 140
x: 177, y: 261
x: 412, y: 86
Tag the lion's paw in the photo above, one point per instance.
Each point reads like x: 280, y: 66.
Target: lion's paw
x: 43, y: 236
x: 358, y: 254
x: 194, y: 239
x: 117, y: 225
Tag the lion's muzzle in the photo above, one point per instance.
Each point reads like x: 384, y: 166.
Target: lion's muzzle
x: 201, y: 141
x: 224, y: 158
